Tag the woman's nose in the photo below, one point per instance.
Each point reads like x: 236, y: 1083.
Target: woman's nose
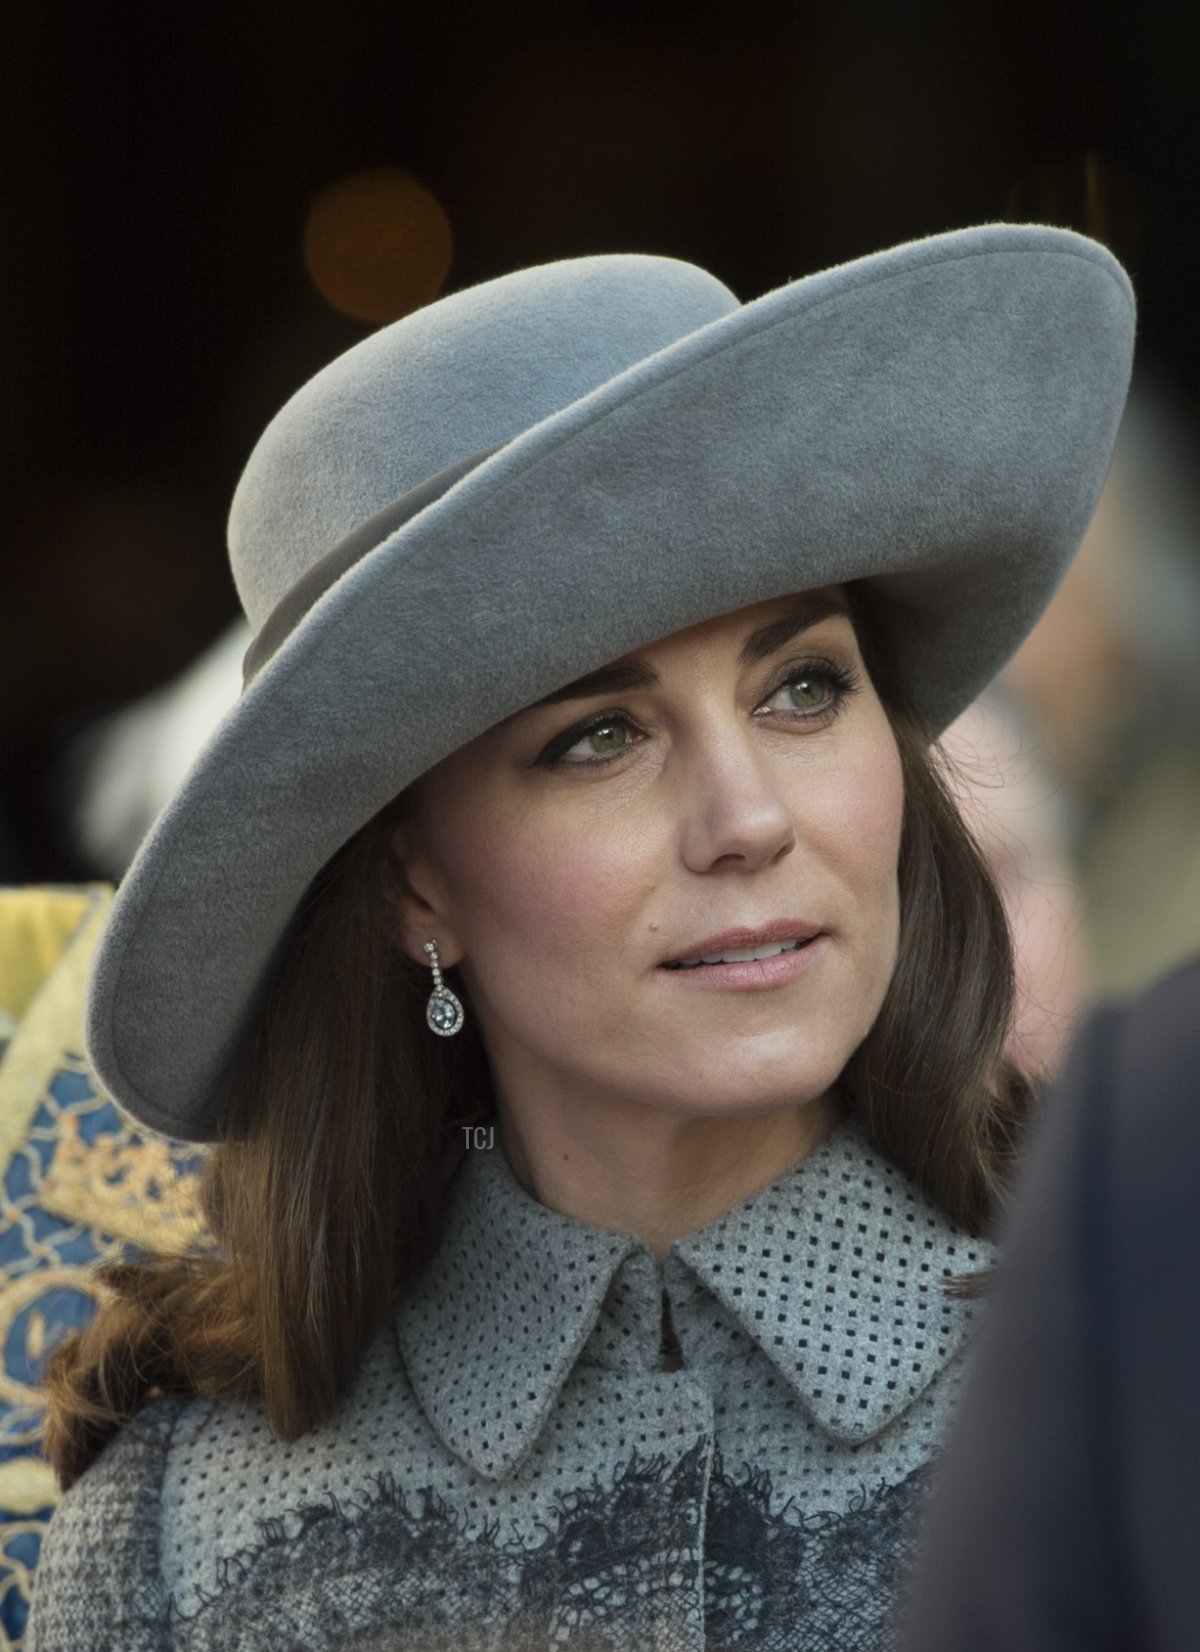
x: 736, y: 813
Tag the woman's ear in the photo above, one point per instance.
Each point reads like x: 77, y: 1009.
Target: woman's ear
x: 417, y: 900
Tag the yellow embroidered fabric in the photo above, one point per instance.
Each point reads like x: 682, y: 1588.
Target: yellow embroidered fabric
x: 79, y: 1185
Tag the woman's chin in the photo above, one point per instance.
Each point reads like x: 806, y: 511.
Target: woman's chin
x: 744, y: 1094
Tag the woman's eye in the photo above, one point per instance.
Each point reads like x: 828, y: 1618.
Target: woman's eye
x: 813, y: 691
x: 594, y: 745
x: 600, y: 742
x: 808, y: 692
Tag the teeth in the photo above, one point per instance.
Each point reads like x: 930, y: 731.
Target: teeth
x: 743, y: 955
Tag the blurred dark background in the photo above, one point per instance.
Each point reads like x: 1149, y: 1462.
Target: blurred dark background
x: 179, y: 183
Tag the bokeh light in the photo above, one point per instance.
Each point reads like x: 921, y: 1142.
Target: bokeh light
x: 377, y: 244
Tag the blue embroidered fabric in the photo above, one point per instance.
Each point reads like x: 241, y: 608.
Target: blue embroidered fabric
x: 78, y: 1186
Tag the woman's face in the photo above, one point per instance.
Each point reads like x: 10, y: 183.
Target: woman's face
x: 735, y: 783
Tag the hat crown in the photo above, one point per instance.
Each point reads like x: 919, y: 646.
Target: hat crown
x: 451, y: 379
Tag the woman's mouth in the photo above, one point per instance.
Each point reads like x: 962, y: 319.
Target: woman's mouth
x: 751, y: 968
x: 743, y: 955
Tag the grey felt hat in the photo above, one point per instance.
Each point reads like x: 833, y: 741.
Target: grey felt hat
x: 530, y: 478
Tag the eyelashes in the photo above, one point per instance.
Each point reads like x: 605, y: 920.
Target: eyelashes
x: 615, y: 722
x: 842, y: 683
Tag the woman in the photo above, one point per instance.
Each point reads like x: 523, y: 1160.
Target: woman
x: 614, y: 1292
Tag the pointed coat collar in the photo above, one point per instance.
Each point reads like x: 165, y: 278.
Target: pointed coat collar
x: 834, y: 1270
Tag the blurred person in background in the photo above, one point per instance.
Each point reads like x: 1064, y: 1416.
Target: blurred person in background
x: 1014, y: 805
x: 1108, y: 686
x: 1079, y: 768
x: 117, y: 777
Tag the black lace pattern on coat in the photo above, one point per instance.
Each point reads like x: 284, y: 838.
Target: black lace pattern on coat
x: 617, y: 1568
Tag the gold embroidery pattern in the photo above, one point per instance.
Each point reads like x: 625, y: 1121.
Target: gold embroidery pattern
x: 80, y: 1186
x: 19, y: 1539
x: 126, y: 1184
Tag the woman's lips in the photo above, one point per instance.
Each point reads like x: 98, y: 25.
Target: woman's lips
x: 752, y: 974
x: 785, y: 931
x: 779, y: 932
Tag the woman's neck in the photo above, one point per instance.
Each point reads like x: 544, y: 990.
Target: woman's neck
x: 656, y: 1174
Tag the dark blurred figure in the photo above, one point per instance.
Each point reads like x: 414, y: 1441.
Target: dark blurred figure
x: 1066, y: 1511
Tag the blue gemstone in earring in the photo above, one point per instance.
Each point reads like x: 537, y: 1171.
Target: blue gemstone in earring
x: 444, y: 1014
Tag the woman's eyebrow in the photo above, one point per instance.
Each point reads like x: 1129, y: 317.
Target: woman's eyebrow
x: 769, y: 637
x: 610, y: 679
x: 616, y: 679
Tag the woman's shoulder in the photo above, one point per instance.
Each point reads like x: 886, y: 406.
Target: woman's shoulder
x: 129, y: 1467
x: 234, y: 1495
x: 189, y: 1487
x: 99, y: 1578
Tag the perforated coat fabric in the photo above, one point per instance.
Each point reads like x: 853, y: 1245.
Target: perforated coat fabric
x: 514, y: 1467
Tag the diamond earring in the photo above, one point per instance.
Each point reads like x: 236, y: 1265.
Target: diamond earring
x: 443, y: 1012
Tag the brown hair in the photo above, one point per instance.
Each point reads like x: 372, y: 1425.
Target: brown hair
x: 931, y: 1083
x: 341, y: 1127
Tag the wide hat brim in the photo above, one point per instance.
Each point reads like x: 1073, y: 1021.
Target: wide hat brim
x: 937, y: 419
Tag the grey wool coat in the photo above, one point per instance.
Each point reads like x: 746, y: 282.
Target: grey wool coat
x: 516, y: 1468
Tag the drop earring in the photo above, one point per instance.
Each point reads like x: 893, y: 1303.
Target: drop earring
x: 443, y: 1012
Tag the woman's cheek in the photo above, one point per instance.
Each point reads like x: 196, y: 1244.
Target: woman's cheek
x: 876, y: 804
x: 882, y: 806
x: 857, y: 823
x: 864, y: 844
x: 559, y: 893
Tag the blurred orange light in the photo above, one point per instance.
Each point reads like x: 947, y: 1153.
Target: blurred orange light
x: 377, y: 245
